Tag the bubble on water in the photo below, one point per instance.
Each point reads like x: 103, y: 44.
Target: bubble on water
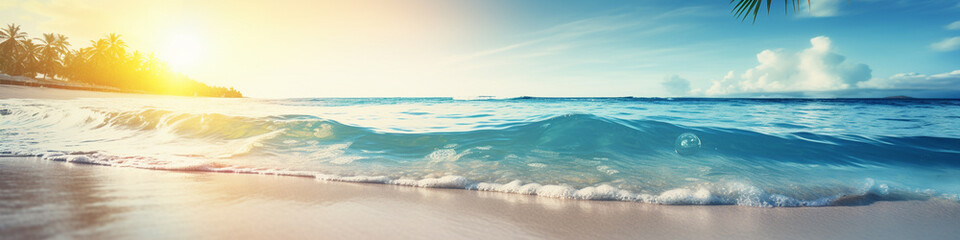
x: 687, y: 143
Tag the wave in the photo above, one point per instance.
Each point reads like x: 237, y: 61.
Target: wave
x: 575, y: 156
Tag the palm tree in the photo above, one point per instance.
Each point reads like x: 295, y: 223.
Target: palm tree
x: 106, y: 62
x: 99, y: 52
x: 63, y: 46
x: 75, y: 63
x: 152, y: 65
x: 135, y: 60
x: 746, y: 8
x: 62, y: 43
x: 27, y: 59
x: 11, y: 39
x: 50, y: 51
x: 116, y: 46
x: 152, y: 62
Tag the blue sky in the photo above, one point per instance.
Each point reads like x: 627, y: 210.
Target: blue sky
x: 700, y: 42
x: 839, y: 48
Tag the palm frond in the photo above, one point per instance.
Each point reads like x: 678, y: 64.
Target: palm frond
x: 744, y: 9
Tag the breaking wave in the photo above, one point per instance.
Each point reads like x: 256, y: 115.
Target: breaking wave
x: 567, y: 155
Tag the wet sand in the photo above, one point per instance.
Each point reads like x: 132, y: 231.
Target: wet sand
x: 13, y: 91
x: 47, y: 199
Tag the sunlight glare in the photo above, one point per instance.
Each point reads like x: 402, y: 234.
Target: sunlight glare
x: 183, y: 51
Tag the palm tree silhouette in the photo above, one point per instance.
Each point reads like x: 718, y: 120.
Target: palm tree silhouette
x: 11, y: 44
x: 75, y: 61
x: 104, y: 65
x: 63, y: 47
x: 27, y: 59
x: 134, y: 61
x: 99, y: 52
x: 116, y: 46
x: 50, y: 50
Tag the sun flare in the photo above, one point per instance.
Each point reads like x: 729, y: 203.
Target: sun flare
x: 183, y: 51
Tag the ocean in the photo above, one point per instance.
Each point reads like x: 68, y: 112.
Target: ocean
x: 685, y: 151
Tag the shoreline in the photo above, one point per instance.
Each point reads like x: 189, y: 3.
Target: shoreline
x: 58, y: 84
x: 47, y: 84
x: 28, y: 92
x: 680, y: 197
x: 45, y: 198
x: 20, y: 81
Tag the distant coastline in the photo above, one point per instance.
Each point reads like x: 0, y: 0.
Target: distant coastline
x: 59, y: 84
x: 106, y: 65
x: 44, y: 83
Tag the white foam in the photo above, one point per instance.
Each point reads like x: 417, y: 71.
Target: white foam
x: 736, y: 193
x: 537, y: 165
x: 359, y: 179
x: 445, y: 155
x: 556, y: 191
x: 135, y: 162
x: 604, y: 192
x: 683, y: 196
x: 442, y: 182
x: 607, y: 170
x: 515, y: 186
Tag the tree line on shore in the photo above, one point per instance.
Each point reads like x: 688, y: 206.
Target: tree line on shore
x: 106, y: 62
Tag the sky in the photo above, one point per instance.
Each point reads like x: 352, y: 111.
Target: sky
x: 428, y: 48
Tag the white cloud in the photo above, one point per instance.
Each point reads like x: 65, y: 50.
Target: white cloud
x: 822, y: 8
x: 817, y: 68
x: 943, y: 81
x: 947, y: 45
x: 676, y: 86
x: 954, y: 26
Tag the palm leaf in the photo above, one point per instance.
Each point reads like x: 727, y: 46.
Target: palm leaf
x: 747, y: 8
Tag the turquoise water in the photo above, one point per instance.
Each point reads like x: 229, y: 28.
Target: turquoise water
x: 761, y: 152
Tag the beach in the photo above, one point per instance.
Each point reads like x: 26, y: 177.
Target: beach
x: 53, y: 199
x: 46, y: 199
x: 15, y: 91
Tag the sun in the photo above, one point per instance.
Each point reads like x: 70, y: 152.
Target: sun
x: 183, y: 51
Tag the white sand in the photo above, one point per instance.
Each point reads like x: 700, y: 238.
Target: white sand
x: 42, y: 199
x: 13, y: 91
